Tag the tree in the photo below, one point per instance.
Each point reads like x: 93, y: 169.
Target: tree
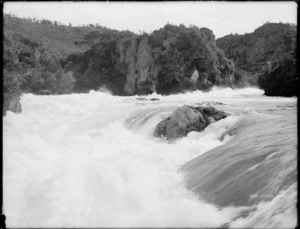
x: 46, y: 22
x: 282, y: 80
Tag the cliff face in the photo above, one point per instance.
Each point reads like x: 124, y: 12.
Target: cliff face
x: 135, y: 59
x: 172, y: 59
x: 257, y: 54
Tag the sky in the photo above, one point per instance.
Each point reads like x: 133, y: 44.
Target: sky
x: 221, y: 17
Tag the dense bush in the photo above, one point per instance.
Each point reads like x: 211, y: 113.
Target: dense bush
x: 30, y: 68
x: 35, y: 54
x: 282, y: 80
x: 184, y: 50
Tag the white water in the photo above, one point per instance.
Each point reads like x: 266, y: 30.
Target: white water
x: 89, y: 160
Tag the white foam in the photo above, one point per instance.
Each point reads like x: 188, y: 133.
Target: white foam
x: 71, y: 161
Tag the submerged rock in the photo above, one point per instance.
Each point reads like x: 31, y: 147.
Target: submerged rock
x: 12, y: 103
x: 186, y: 119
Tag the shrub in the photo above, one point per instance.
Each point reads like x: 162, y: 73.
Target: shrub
x: 282, y: 80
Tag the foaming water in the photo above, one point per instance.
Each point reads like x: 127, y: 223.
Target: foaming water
x: 90, y: 160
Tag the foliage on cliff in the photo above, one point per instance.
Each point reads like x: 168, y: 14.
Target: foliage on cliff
x: 185, y: 50
x: 282, y: 79
x: 263, y: 56
x: 163, y: 61
x: 95, y: 67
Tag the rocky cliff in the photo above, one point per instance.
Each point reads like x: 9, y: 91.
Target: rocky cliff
x: 170, y: 60
x: 135, y: 59
x: 259, y: 56
x: 173, y: 59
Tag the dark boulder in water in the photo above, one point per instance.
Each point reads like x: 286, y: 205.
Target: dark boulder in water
x: 186, y: 119
x: 11, y: 103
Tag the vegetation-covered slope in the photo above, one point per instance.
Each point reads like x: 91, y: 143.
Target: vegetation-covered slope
x: 33, y: 52
x: 61, y: 39
x: 267, y: 57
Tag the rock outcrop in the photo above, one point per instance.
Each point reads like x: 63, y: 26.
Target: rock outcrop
x: 186, y: 119
x: 172, y: 59
x: 136, y: 61
x: 257, y: 56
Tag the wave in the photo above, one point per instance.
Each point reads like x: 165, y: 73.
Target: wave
x: 256, y: 167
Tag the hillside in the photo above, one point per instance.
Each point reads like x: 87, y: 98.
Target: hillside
x: 61, y: 39
x: 266, y: 57
x: 33, y: 51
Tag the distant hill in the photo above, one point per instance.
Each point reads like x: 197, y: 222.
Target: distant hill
x: 58, y: 38
x: 61, y: 39
x: 266, y: 57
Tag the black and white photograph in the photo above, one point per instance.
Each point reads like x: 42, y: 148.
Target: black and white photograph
x: 150, y: 114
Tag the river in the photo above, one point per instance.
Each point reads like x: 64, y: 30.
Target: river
x: 90, y: 160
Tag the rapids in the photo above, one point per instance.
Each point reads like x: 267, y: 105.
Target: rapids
x: 90, y: 160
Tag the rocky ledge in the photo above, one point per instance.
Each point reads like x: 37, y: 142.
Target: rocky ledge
x: 186, y: 119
